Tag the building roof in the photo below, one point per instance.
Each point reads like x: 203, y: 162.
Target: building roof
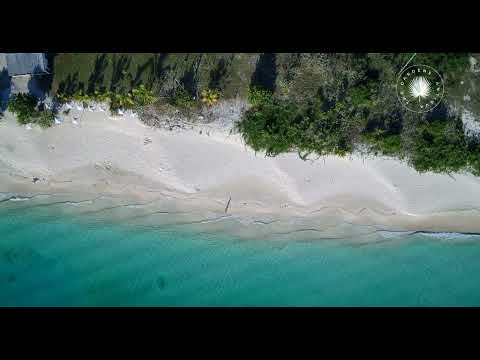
x: 3, y: 63
x: 26, y: 63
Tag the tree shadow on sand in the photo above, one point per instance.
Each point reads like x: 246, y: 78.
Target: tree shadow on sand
x: 189, y: 81
x: 265, y: 74
x: 96, y: 79
x: 5, y: 89
x: 439, y: 112
x: 40, y: 84
x: 219, y: 74
x: 160, y: 71
x: 145, y: 69
x: 119, y: 73
x: 70, y: 85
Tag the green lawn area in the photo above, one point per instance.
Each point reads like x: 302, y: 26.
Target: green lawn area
x: 120, y: 72
x: 94, y: 71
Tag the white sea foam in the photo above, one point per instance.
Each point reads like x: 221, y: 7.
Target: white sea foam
x: 451, y: 235
x: 19, y: 198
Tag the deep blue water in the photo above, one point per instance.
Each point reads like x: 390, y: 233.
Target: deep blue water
x: 64, y: 261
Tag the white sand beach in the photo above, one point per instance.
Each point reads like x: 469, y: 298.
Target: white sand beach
x: 97, y: 153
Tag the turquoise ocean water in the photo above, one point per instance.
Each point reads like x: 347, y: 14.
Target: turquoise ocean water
x: 59, y: 260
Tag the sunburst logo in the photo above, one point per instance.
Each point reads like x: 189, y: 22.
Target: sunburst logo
x: 420, y: 88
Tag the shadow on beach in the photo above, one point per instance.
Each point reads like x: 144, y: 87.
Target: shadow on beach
x: 265, y: 74
x: 5, y: 89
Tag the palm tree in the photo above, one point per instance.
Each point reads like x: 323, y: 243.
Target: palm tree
x: 210, y: 96
x: 142, y: 96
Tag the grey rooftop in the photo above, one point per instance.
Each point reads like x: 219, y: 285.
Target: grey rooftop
x: 26, y: 63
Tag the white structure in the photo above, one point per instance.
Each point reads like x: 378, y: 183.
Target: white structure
x: 470, y: 124
x: 21, y: 64
x: 19, y: 72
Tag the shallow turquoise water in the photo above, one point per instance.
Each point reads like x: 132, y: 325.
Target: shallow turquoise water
x: 64, y: 261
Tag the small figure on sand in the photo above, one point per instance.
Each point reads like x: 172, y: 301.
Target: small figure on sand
x: 228, y: 204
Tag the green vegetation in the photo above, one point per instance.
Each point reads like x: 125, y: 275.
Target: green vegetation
x: 45, y: 119
x: 137, y: 98
x: 90, y: 72
x: 210, y: 96
x: 258, y: 96
x: 384, y: 144
x: 24, y: 106
x: 450, y: 65
x: 310, y: 103
x: 277, y: 125
x: 182, y: 99
x: 441, y: 146
x: 336, y: 103
x: 161, y: 72
x: 268, y: 127
x: 143, y: 96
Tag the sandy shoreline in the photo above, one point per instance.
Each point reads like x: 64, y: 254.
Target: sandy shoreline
x: 122, y: 158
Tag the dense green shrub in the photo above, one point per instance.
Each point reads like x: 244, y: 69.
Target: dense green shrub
x: 181, y: 99
x: 473, y: 148
x: 45, y: 118
x: 24, y: 107
x: 143, y: 96
x: 440, y: 146
x: 258, y: 96
x: 277, y: 125
x: 121, y: 101
x: 384, y: 144
x: 330, y: 132
x: 270, y: 127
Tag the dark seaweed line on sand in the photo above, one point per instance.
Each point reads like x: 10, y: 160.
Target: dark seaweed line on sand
x: 220, y: 218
